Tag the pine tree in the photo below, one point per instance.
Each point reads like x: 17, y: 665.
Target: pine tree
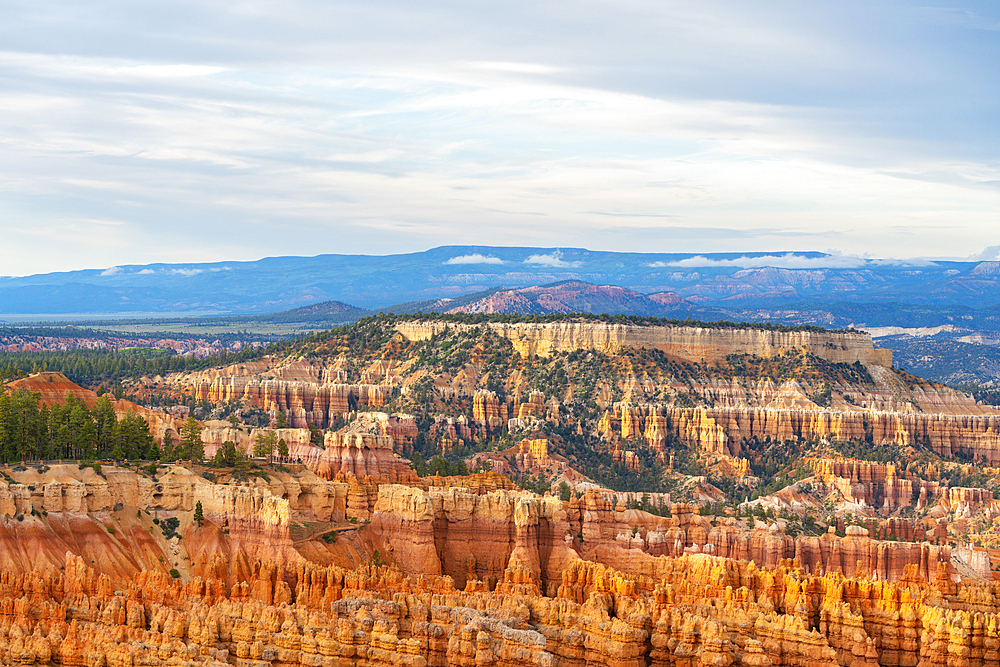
x: 191, y: 447
x: 264, y: 443
x: 199, y: 515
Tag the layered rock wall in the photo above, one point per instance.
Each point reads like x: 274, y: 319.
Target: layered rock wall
x: 694, y: 344
x: 724, y: 430
x: 108, y: 517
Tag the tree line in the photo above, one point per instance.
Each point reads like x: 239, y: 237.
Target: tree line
x: 29, y: 429
x: 84, y: 365
x: 604, y: 318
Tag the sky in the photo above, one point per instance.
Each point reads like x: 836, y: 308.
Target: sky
x: 183, y: 131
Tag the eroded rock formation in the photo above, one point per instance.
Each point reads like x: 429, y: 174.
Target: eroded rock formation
x: 687, y: 611
x: 724, y: 430
x: 303, y: 401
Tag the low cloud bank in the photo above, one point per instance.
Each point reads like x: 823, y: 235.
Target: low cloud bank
x: 475, y: 258
x: 553, y: 260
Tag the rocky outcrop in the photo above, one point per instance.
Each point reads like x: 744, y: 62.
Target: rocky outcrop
x: 873, y: 484
x: 108, y: 518
x: 693, y: 344
x: 344, y: 454
x: 361, y: 455
x: 302, y: 401
x: 488, y: 412
x: 471, y: 536
x: 478, y: 483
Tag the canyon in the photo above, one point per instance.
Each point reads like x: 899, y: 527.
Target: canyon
x: 766, y: 534
x: 453, y: 575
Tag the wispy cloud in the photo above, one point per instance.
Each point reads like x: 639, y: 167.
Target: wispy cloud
x: 386, y: 128
x: 186, y: 272
x: 111, y: 271
x: 474, y: 258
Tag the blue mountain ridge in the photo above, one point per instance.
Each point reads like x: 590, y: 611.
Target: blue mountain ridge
x: 372, y: 281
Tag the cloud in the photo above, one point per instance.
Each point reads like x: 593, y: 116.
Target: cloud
x: 786, y: 261
x: 186, y: 272
x: 553, y: 260
x: 989, y: 254
x: 114, y: 270
x: 475, y: 258
x: 792, y: 261
x: 146, y: 272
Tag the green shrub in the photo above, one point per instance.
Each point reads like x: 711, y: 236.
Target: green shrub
x: 170, y: 526
x: 174, y: 573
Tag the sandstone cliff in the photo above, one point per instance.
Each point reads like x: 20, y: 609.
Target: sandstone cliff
x: 693, y: 344
x: 723, y: 430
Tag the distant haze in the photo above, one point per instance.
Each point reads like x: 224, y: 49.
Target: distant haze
x: 696, y: 280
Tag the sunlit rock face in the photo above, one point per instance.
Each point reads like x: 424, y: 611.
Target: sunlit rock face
x: 723, y: 430
x: 695, y: 344
x: 634, y: 609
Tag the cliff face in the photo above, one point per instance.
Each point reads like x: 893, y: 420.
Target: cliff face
x: 474, y: 536
x: 480, y: 574
x: 723, y: 430
x: 693, y: 344
x: 600, y: 521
